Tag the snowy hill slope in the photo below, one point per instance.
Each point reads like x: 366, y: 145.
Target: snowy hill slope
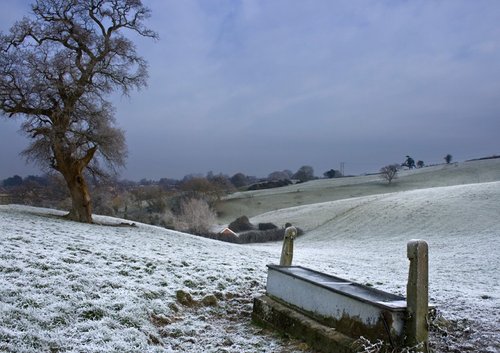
x: 365, y: 239
x: 253, y: 203
x: 70, y: 287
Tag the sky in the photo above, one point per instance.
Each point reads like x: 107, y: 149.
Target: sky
x: 257, y: 86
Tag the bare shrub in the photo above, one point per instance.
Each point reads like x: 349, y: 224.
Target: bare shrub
x: 267, y: 226
x: 389, y: 172
x: 196, y: 216
x: 251, y: 236
x: 168, y: 219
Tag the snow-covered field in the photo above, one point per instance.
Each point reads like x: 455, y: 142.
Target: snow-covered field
x: 364, y: 239
x: 70, y: 287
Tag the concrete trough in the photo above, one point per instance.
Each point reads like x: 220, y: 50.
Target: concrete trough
x: 350, y: 308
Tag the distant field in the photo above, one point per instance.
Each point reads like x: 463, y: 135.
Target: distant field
x: 253, y: 203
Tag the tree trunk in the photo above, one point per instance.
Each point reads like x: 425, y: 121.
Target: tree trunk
x: 81, y: 210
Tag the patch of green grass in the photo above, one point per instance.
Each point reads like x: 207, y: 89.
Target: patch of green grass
x: 41, y: 266
x: 190, y: 284
x: 29, y: 303
x: 77, y: 288
x: 58, y: 321
x: 117, y: 306
x: 93, y: 314
x: 149, y: 294
x: 129, y: 321
x: 10, y: 269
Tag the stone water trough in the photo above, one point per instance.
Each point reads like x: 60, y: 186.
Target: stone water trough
x: 331, y: 313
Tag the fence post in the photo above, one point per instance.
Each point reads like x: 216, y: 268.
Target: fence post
x: 417, y: 296
x: 287, y: 250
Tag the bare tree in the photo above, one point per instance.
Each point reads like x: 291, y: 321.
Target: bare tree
x: 305, y: 173
x: 56, y: 70
x: 278, y: 175
x: 389, y: 172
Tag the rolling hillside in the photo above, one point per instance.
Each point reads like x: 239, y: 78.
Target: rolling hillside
x: 252, y: 203
x: 70, y: 287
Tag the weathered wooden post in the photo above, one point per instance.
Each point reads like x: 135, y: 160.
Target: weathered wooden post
x: 287, y: 250
x: 417, y: 296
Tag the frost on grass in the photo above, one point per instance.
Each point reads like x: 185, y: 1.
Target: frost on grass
x: 70, y: 287
x: 364, y: 239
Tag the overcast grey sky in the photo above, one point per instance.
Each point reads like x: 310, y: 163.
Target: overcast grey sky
x: 255, y: 86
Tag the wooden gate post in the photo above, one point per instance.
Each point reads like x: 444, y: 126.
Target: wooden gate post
x: 417, y: 296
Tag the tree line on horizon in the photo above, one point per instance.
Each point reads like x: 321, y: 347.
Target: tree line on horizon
x: 238, y: 181
x: 175, y: 204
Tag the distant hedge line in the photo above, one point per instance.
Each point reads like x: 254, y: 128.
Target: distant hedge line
x: 251, y: 236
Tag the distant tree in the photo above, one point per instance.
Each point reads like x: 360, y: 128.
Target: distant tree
x: 409, y: 162
x: 188, y: 177
x: 38, y: 180
x: 44, y: 191
x: 448, y: 158
x: 103, y: 200
x: 15, y: 180
x: 219, y: 184
x: 57, y: 69
x: 239, y: 180
x: 146, y: 182
x: 197, y: 185
x: 278, y: 175
x: 420, y: 164
x: 222, y: 183
x: 168, y: 183
x: 208, y: 190
x: 142, y: 194
x: 332, y: 173
x: 305, y: 173
x: 389, y: 172
x: 289, y: 173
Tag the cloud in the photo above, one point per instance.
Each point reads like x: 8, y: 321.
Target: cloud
x: 252, y: 85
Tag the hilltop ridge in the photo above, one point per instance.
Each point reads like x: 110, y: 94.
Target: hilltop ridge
x: 253, y: 203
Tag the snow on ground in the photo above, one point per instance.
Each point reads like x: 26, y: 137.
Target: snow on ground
x: 364, y: 239
x: 71, y: 287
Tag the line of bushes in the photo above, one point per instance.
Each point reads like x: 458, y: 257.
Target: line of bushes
x: 250, y: 236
